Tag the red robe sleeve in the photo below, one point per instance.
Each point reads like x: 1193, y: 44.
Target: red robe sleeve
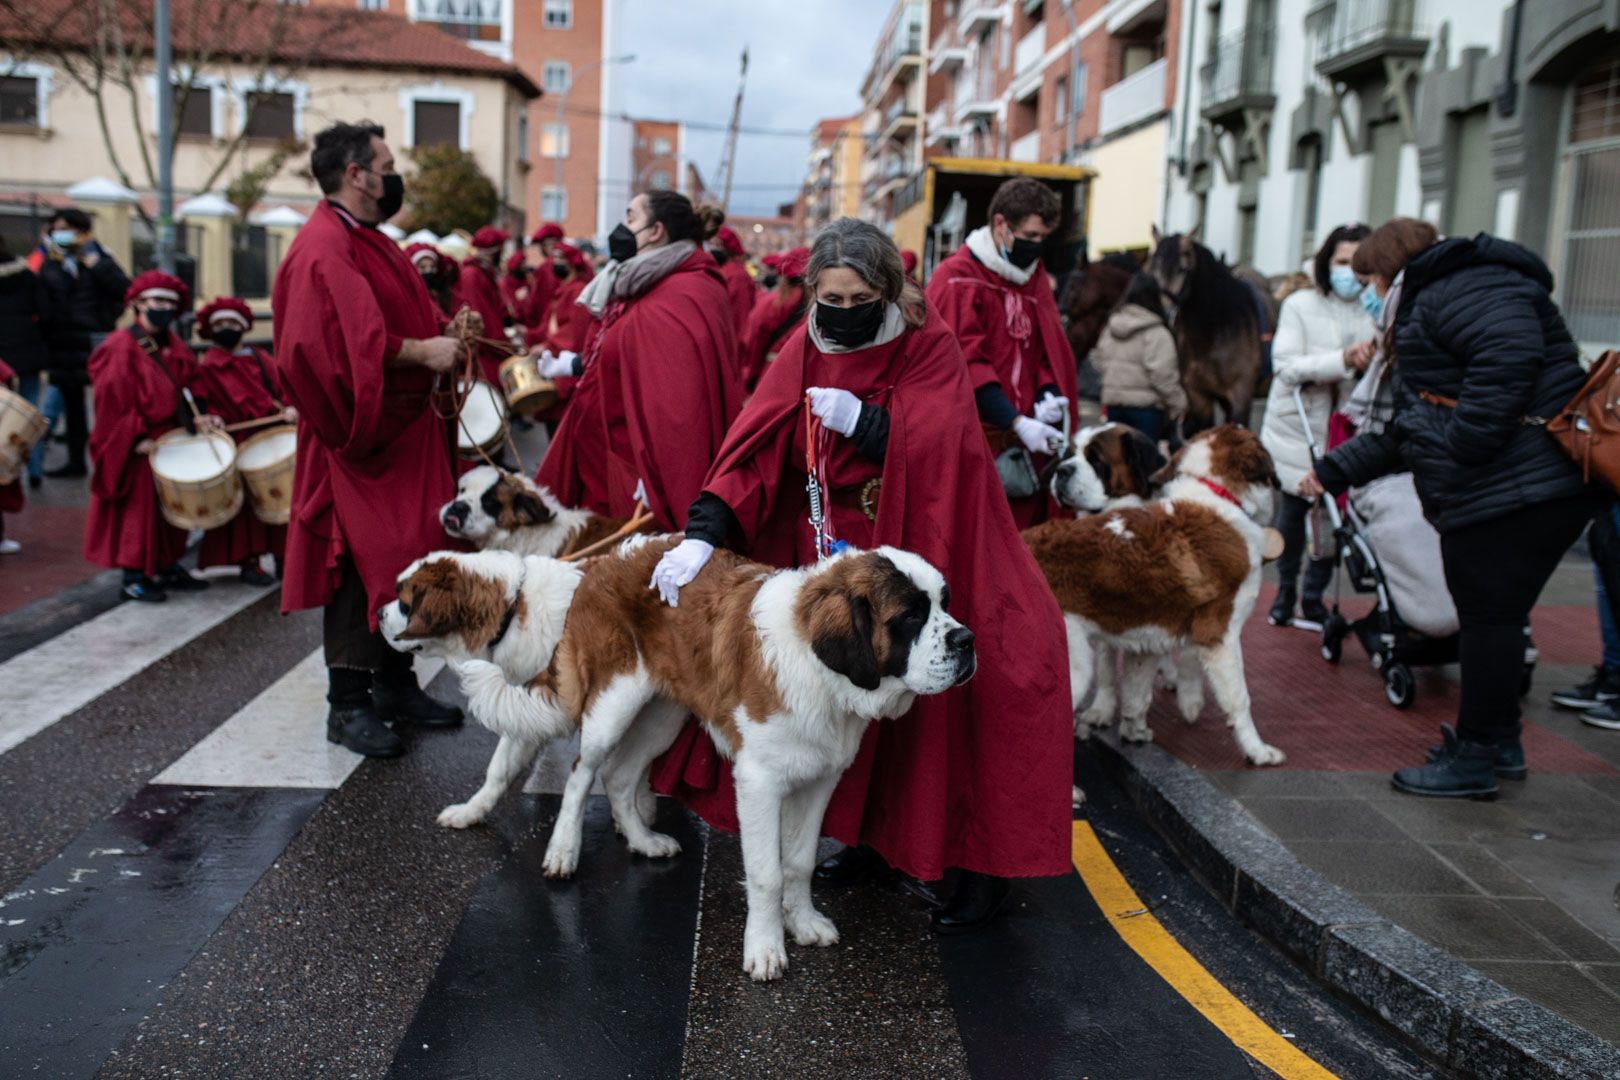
x: 477, y: 290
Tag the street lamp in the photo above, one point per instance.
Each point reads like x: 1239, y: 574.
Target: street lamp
x: 562, y: 102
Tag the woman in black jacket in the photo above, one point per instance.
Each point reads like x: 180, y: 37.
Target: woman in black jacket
x: 1481, y: 359
x: 22, y: 342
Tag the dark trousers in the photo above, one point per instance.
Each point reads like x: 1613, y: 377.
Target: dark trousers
x: 1495, y: 571
x: 72, y: 384
x: 1150, y: 422
x: 1291, y: 523
x: 346, y: 629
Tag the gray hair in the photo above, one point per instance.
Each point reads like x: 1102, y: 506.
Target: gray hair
x: 863, y: 248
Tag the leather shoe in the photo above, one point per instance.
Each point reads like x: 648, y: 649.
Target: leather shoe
x: 179, y: 579
x: 358, y: 728
x: 408, y: 703
x: 256, y: 577
x: 977, y: 899
x: 851, y: 865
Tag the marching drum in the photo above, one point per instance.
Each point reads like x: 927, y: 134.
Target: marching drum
x: 482, y: 425
x: 196, y: 479
x: 527, y: 391
x: 21, y: 426
x: 266, y: 464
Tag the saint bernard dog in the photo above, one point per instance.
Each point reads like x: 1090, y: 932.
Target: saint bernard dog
x: 785, y: 668
x: 504, y: 511
x: 1183, y: 570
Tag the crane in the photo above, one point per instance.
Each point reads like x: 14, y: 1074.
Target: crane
x: 728, y: 155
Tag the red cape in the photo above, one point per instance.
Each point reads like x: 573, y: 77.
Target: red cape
x: 12, y: 498
x: 137, y: 397
x: 566, y: 324
x: 740, y: 291
x: 542, y: 288
x: 374, y: 462
x: 983, y: 308
x: 978, y: 777
x: 659, y: 390
x: 238, y: 387
x: 476, y: 289
x: 775, y: 317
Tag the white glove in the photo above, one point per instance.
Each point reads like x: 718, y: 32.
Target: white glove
x: 837, y: 409
x: 1050, y: 410
x: 1038, y: 438
x: 553, y: 366
x: 678, y: 567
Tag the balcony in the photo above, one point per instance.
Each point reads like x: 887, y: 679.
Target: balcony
x: 1029, y: 50
x: 900, y: 48
x: 900, y: 116
x: 1238, y: 79
x: 941, y: 125
x: 1353, y: 46
x: 472, y: 20
x: 976, y: 16
x: 1027, y: 148
x: 1134, y: 16
x: 975, y: 93
x: 946, y: 55
x: 1131, y: 99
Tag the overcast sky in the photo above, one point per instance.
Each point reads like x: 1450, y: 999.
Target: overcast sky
x: 805, y: 61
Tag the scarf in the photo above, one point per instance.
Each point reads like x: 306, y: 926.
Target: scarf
x: 983, y: 246
x: 1372, y: 402
x: 622, y: 281
x: 894, y: 324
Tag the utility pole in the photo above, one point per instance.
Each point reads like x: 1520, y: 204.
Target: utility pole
x: 728, y: 156
x: 164, y: 51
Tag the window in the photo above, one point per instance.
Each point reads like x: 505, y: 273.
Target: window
x: 662, y: 148
x: 270, y: 115
x: 559, y: 14
x: 1135, y: 57
x: 20, y: 101
x: 1060, y: 100
x: 554, y: 140
x: 523, y: 135
x: 437, y: 123
x: 1591, y: 235
x: 373, y: 5
x: 475, y: 20
x: 194, y: 110
x: 1077, y: 91
x: 553, y: 204
x: 658, y: 180
x: 558, y: 77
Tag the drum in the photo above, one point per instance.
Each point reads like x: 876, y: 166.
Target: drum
x: 527, y: 391
x: 266, y: 464
x: 21, y: 427
x: 483, y: 422
x: 196, y: 479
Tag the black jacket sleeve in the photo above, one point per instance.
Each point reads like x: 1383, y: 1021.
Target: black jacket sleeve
x: 111, y: 283
x: 994, y: 408
x: 711, y: 521
x: 1358, y: 462
x: 871, y: 434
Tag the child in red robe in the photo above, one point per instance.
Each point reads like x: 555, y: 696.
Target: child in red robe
x: 439, y: 274
x: 238, y: 383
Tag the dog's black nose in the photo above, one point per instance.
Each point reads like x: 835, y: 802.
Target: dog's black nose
x: 960, y: 639
x: 381, y: 612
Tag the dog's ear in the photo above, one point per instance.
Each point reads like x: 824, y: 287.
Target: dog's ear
x: 1145, y: 461
x: 1167, y: 471
x: 841, y: 636
x: 530, y: 509
x: 434, y: 611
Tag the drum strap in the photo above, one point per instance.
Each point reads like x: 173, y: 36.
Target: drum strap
x: 182, y: 409
x: 264, y: 377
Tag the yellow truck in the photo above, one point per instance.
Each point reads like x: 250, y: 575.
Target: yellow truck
x: 950, y: 198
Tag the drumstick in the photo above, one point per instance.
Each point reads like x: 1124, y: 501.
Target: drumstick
x: 196, y: 414
x: 261, y: 422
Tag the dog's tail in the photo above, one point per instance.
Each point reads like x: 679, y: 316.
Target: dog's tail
x: 527, y: 712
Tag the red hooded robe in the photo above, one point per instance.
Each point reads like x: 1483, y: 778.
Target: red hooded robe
x: 660, y: 388
x: 980, y: 776
x: 740, y: 291
x: 237, y: 387
x: 374, y: 462
x: 774, y: 319
x: 1012, y: 335
x: 476, y: 289
x: 137, y: 397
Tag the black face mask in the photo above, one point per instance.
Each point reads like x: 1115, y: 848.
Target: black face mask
x: 160, y: 320
x: 849, y: 326
x: 621, y: 243
x: 433, y: 280
x: 720, y: 255
x: 228, y: 339
x: 393, y: 195
x: 768, y: 281
x: 560, y: 269
x: 1024, y: 252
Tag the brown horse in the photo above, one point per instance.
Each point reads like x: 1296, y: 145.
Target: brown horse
x: 1089, y: 296
x: 1217, y: 320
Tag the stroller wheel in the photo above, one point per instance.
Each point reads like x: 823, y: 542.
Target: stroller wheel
x: 1527, y: 680
x: 1400, y: 687
x: 1334, y: 627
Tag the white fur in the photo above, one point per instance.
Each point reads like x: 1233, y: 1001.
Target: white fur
x: 481, y: 529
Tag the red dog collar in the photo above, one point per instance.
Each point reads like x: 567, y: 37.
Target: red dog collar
x: 1222, y: 492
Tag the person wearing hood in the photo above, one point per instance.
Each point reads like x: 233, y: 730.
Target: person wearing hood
x: 1481, y: 359
x: 1135, y: 357
x: 994, y: 293
x: 776, y: 315
x: 1324, y: 342
x: 22, y: 310
x: 438, y: 273
x: 728, y: 251
x: 478, y: 289
x: 658, y: 379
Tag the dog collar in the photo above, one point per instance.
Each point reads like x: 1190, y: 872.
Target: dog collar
x: 506, y: 620
x: 1219, y: 490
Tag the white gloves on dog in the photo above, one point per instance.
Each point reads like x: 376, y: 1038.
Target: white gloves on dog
x: 561, y: 364
x: 837, y: 409
x: 1050, y: 410
x: 678, y: 567
x: 1038, y: 438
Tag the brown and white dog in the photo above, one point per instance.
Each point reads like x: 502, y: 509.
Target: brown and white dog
x: 785, y: 668
x: 504, y: 511
x: 1181, y: 571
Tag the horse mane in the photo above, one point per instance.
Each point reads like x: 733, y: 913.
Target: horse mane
x: 1215, y: 302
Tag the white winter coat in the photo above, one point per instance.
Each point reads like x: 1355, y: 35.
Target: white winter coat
x: 1308, y: 351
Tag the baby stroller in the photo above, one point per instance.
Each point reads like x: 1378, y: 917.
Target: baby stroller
x: 1392, y: 643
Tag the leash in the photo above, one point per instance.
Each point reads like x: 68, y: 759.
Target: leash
x: 816, y: 445
x: 640, y: 517
x: 460, y: 328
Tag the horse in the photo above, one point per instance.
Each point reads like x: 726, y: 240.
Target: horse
x: 1221, y: 325
x: 1089, y: 296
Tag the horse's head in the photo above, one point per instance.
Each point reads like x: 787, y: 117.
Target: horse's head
x: 1172, y: 263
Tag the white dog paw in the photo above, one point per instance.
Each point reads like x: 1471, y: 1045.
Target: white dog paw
x: 646, y: 805
x: 811, y: 927
x: 561, y: 862
x: 460, y: 816
x: 1190, y: 705
x: 657, y: 846
x: 1095, y: 719
x: 1136, y: 730
x: 765, y: 960
x: 1265, y: 755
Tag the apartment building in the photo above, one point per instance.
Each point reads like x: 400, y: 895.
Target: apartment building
x: 892, y: 98
x: 833, y: 187
x: 657, y: 150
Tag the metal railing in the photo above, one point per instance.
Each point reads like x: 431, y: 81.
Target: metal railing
x: 1240, y: 68
x: 1357, y: 22
x: 462, y: 12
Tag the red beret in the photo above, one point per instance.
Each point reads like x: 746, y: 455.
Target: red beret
x: 549, y: 231
x: 515, y: 264
x: 729, y: 240
x: 419, y: 248
x: 772, y: 261
x: 158, y: 284
x: 223, y: 307
x: 793, y: 263
x: 489, y: 237
x: 908, y: 261
x: 571, y: 254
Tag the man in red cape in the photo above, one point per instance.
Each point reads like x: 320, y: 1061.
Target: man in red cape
x: 477, y: 288
x: 140, y: 376
x: 358, y: 344
x: 775, y: 317
x: 978, y: 777
x: 728, y: 251
x: 995, y: 295
x: 238, y: 383
x: 659, y: 383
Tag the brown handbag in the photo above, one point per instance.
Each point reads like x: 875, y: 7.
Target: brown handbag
x: 1588, y: 428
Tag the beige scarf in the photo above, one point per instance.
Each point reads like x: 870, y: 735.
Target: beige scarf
x: 631, y: 278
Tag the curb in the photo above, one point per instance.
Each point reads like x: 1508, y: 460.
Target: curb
x: 1444, y: 1008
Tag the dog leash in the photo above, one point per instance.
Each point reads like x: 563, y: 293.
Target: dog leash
x: 640, y: 517
x: 816, y: 444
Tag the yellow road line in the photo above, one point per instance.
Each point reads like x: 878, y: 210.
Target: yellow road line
x: 1148, y: 938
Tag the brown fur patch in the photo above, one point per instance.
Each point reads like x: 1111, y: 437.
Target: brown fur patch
x: 441, y: 599
x: 1121, y: 462
x: 847, y: 614
x: 516, y: 506
x: 1237, y: 456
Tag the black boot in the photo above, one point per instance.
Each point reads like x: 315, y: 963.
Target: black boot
x: 253, y: 574
x: 975, y: 902
x: 178, y: 579
x: 1509, y: 754
x: 351, y: 721
x: 1282, y: 609
x: 849, y: 866
x: 1469, y: 772
x: 399, y: 699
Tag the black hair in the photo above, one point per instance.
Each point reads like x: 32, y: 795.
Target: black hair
x: 1143, y: 291
x: 72, y: 217
x: 676, y: 214
x: 339, y: 146
x: 1354, y: 233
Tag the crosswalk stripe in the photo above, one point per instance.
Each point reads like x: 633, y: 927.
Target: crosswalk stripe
x: 56, y: 678
x: 278, y: 739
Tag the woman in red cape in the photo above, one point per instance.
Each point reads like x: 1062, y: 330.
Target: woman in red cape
x: 659, y: 384
x: 139, y: 375
x: 775, y: 317
x: 11, y: 494
x: 740, y: 288
x: 476, y: 288
x: 238, y: 383
x: 979, y: 777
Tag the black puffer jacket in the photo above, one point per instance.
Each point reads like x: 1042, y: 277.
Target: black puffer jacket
x: 22, y: 306
x: 1476, y: 324
x: 80, y: 304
